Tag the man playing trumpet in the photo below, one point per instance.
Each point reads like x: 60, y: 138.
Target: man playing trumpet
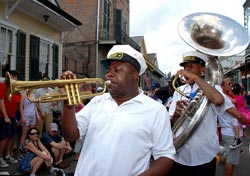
x: 123, y: 128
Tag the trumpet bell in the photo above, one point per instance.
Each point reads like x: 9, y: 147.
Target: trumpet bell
x: 213, y: 34
x: 9, y: 87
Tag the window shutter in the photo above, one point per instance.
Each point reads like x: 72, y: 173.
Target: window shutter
x: 34, y: 74
x: 21, y: 54
x: 55, y: 62
x: 118, y: 22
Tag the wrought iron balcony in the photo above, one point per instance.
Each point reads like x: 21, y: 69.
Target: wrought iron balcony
x: 117, y: 35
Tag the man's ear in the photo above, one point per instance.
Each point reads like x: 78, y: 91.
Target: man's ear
x: 202, y: 70
x: 135, y: 75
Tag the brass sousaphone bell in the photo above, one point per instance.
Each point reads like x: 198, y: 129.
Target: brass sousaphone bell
x: 214, y: 35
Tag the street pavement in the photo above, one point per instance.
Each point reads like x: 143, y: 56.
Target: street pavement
x: 243, y: 169
x: 12, y: 169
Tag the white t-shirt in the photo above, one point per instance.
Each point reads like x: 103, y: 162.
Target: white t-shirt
x: 226, y: 120
x: 29, y: 107
x: 203, y: 145
x: 44, y: 106
x: 121, y: 139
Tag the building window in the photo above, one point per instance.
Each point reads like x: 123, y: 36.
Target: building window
x: 106, y: 19
x: 6, y: 49
x: 123, y: 29
x: 42, y: 53
x: 124, y: 25
x: 44, y: 57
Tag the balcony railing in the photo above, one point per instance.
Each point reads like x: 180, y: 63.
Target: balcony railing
x: 117, y: 35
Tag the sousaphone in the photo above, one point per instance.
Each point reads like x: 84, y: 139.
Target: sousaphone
x: 215, y: 35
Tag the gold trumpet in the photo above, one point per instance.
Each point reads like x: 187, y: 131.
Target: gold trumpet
x: 71, y: 87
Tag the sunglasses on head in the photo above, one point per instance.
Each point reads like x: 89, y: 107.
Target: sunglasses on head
x: 35, y: 133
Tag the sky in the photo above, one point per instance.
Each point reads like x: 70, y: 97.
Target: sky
x: 158, y: 22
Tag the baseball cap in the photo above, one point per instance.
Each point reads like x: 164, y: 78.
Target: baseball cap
x: 125, y: 53
x: 53, y: 127
x: 194, y: 57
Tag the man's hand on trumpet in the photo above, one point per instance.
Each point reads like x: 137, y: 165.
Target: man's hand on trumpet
x: 72, y: 89
x: 68, y: 75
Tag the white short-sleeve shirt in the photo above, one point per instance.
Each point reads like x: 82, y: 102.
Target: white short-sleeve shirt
x: 226, y: 120
x: 203, y: 145
x: 121, y: 139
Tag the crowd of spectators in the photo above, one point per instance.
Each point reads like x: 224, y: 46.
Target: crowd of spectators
x: 30, y: 133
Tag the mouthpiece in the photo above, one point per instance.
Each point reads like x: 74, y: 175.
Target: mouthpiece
x: 108, y: 82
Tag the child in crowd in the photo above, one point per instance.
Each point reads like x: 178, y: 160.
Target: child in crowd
x: 239, y: 102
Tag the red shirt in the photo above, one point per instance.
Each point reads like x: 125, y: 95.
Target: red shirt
x: 10, y: 106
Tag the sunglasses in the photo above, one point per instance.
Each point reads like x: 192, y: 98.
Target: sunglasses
x: 36, y: 133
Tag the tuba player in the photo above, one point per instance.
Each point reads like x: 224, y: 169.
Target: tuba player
x: 197, y: 155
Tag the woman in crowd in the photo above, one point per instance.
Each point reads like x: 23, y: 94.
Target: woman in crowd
x: 36, y: 153
x: 28, y: 111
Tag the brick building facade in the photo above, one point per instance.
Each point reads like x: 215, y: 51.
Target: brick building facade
x: 80, y: 48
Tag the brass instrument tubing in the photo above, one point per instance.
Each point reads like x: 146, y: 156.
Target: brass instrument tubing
x: 177, y: 90
x: 78, y: 99
x: 72, y: 93
x: 66, y: 87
